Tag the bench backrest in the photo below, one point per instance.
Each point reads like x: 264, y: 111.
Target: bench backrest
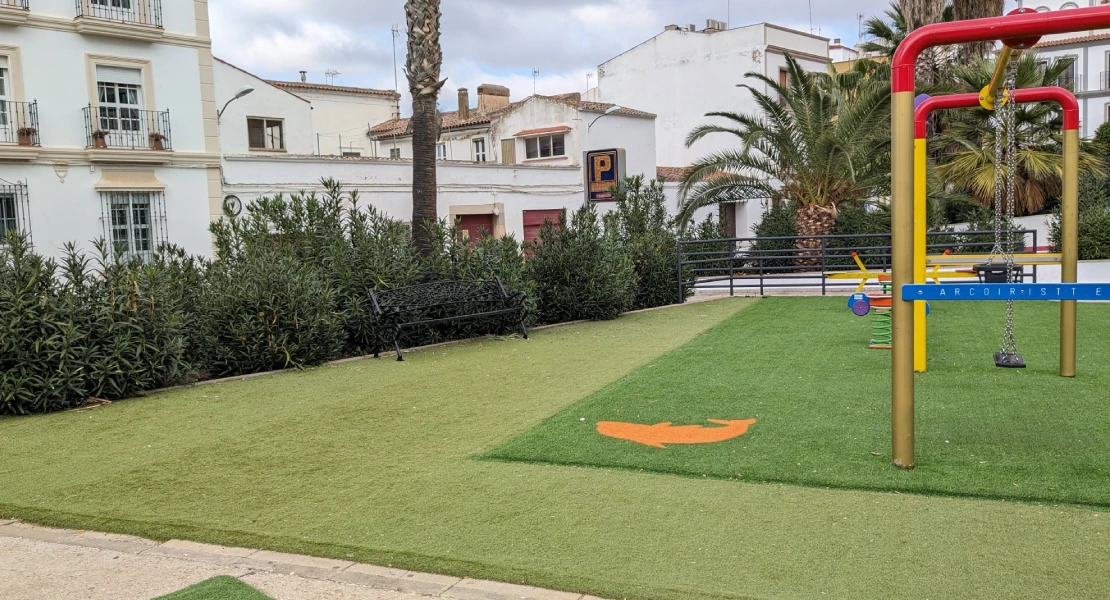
x: 441, y: 293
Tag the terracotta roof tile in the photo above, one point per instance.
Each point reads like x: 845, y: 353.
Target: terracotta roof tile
x: 529, y: 132
x: 672, y: 174
x: 319, y: 87
x: 1074, y: 40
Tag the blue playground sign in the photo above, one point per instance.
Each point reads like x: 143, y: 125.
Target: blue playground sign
x: 1008, y: 291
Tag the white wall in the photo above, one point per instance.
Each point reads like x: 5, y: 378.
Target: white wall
x: 71, y: 211
x: 538, y: 113
x: 54, y: 73
x: 634, y: 134
x: 680, y: 76
x: 265, y: 101
x: 178, y: 16
x: 340, y: 117
x: 387, y: 184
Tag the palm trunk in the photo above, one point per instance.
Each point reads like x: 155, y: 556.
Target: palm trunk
x: 919, y: 13
x: 425, y: 58
x: 976, y: 9
x: 812, y: 220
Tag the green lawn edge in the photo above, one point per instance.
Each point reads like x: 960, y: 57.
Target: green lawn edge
x: 224, y: 587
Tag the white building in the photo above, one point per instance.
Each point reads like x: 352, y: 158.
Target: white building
x: 506, y: 166
x: 342, y: 114
x: 108, y: 123
x: 682, y: 74
x: 1089, y: 75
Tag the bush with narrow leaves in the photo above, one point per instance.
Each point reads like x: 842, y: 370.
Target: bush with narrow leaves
x: 579, y: 272
x: 641, y: 224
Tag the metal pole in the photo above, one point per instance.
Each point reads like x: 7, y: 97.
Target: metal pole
x: 1070, y: 248
x: 731, y: 274
x: 824, y: 265
x: 920, y: 248
x: 681, y: 287
x: 902, y: 261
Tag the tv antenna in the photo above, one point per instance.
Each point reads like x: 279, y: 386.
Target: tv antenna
x: 535, y: 74
x: 396, y: 80
x: 589, y: 78
x: 331, y: 74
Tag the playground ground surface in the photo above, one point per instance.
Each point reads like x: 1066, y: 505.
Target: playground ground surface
x: 821, y: 399
x: 391, y: 463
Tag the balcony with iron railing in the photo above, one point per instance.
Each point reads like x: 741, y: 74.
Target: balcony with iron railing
x: 14, y: 12
x: 115, y: 133
x: 135, y: 19
x: 19, y: 130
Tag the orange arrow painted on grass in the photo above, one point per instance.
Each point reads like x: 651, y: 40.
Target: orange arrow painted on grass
x: 658, y: 435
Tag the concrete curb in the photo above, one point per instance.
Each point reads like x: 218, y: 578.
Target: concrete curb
x: 307, y: 567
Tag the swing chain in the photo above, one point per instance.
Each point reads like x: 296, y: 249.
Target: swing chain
x: 1009, y: 121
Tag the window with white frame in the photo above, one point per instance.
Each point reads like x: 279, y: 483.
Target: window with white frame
x: 545, y: 146
x: 120, y: 106
x: 441, y: 151
x: 480, y: 149
x: 394, y: 153
x: 266, y: 134
x: 7, y: 128
x: 13, y: 207
x: 135, y: 221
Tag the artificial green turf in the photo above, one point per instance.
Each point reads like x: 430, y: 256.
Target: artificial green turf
x: 822, y: 401
x: 218, y: 588
x: 374, y: 462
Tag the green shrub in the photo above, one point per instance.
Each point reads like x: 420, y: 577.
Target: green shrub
x: 267, y: 309
x: 857, y: 220
x: 777, y: 223
x: 579, y: 272
x: 104, y: 328
x: 1094, y: 219
x: 641, y: 223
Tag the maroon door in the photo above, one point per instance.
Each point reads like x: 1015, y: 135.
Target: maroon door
x: 475, y: 227
x: 534, y: 220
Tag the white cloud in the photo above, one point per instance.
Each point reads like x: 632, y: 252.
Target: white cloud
x: 486, y: 41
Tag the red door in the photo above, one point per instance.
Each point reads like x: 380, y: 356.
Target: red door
x: 475, y: 227
x: 534, y: 220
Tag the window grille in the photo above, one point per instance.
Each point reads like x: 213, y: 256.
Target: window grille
x: 134, y: 222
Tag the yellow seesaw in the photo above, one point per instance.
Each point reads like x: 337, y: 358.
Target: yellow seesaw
x: 935, y: 275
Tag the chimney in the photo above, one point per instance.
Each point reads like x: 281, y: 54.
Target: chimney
x: 692, y: 28
x: 304, y: 76
x: 836, y: 42
x: 464, y: 104
x: 492, y: 97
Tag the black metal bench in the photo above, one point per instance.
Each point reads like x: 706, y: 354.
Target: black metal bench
x: 443, y: 302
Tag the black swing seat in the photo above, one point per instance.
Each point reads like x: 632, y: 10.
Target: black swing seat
x: 1005, y: 360
x: 443, y: 302
x: 999, y: 272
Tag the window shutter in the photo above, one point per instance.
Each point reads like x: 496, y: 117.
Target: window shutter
x: 508, y: 152
x: 109, y: 74
x: 256, y: 131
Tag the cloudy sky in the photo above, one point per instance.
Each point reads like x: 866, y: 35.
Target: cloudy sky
x: 487, y: 41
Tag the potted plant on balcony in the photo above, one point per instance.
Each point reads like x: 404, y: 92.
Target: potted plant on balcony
x: 100, y: 139
x: 157, y: 141
x: 26, y: 135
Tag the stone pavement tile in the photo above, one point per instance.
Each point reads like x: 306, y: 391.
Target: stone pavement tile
x: 474, y: 589
x: 219, y: 555
x: 291, y: 587
x: 294, y: 564
x: 110, y: 541
x: 43, y: 534
x: 396, y: 579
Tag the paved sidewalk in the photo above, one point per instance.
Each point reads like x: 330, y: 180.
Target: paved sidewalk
x: 38, y: 563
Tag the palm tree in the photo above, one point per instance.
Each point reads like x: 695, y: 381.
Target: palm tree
x: 967, y: 145
x: 976, y: 9
x: 425, y: 58
x: 886, y: 34
x: 820, y: 141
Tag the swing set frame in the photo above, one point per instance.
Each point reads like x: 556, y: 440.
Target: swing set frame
x: 1018, y: 30
x: 1069, y: 106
